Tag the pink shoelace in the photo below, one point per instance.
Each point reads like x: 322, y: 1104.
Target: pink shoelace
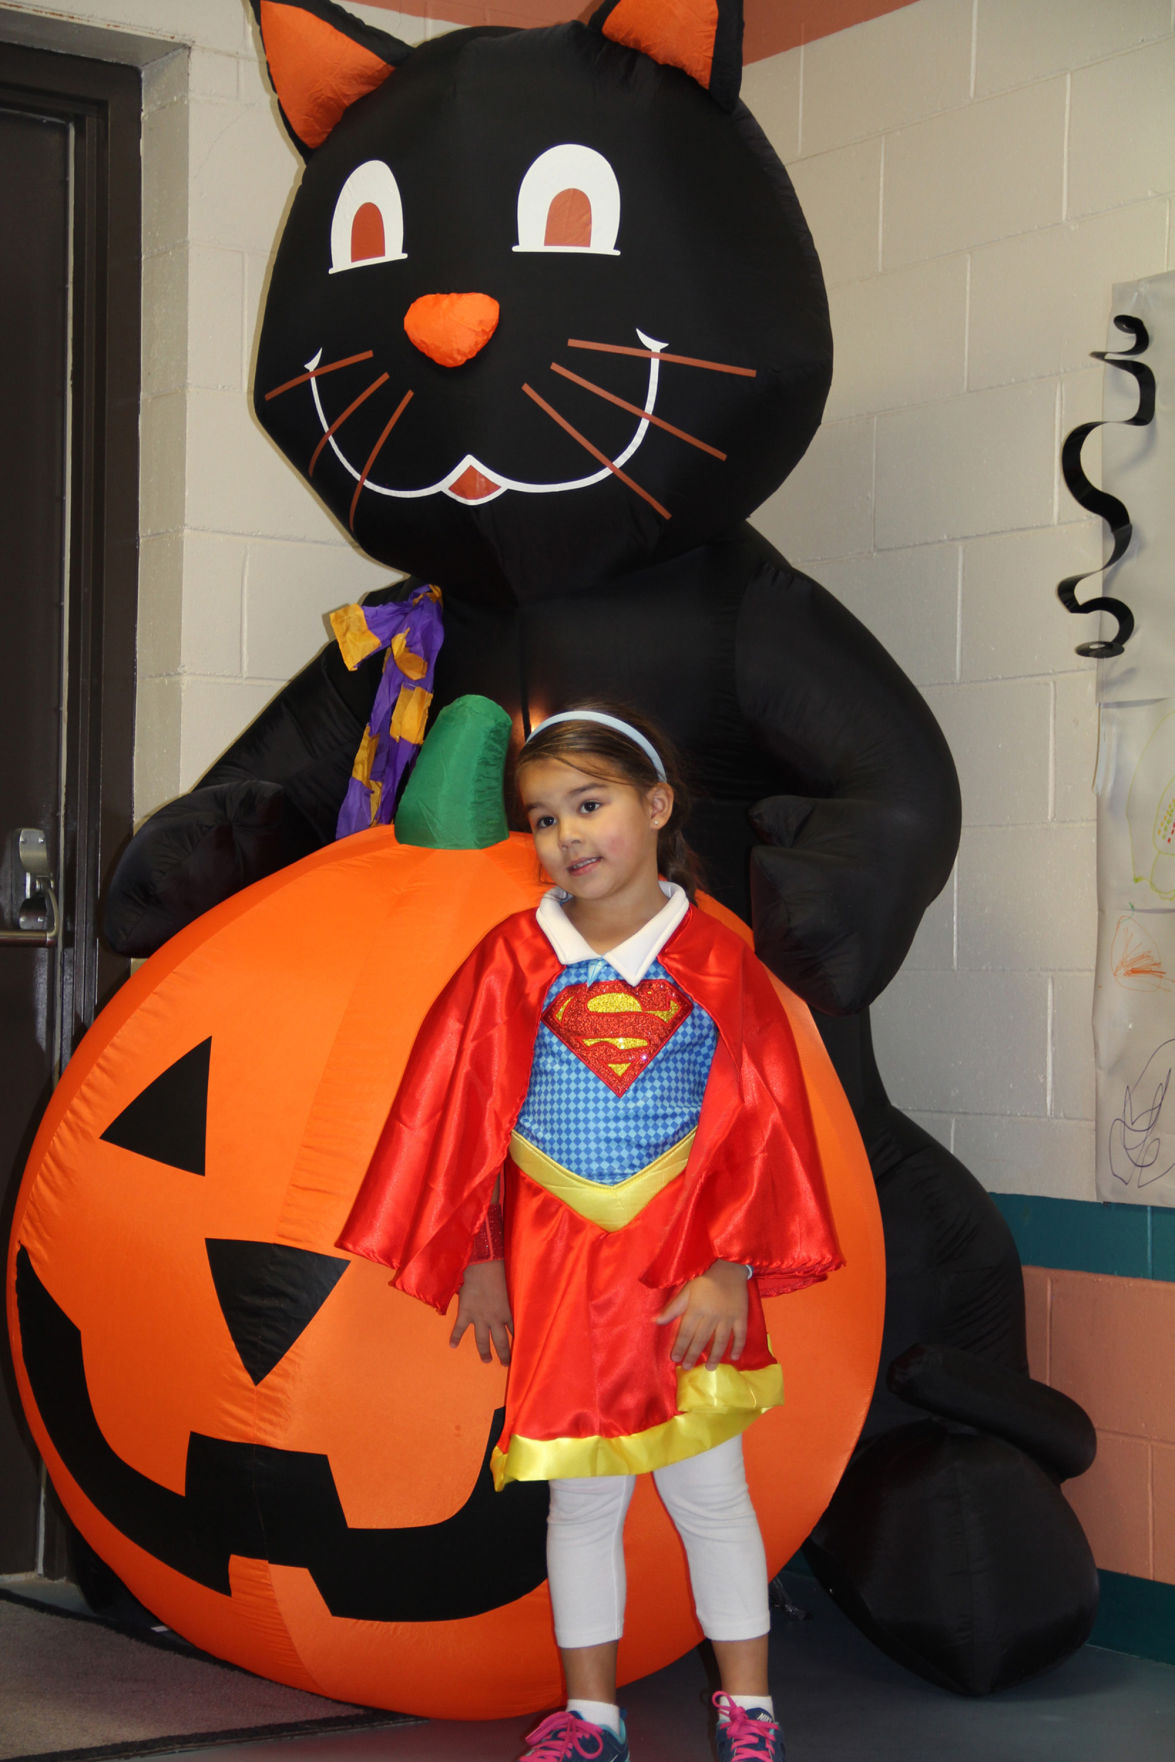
x: 750, y: 1739
x: 563, y: 1735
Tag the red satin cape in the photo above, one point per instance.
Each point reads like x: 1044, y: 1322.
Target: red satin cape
x: 592, y: 1387
x: 752, y: 1191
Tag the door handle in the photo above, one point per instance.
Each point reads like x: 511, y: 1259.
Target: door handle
x: 37, y: 915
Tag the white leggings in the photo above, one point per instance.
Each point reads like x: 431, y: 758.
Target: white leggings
x: 707, y: 1498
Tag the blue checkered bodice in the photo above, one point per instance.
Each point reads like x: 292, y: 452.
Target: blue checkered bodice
x: 574, y: 1117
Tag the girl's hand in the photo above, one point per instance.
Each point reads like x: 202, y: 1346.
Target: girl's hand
x: 484, y: 1305
x: 713, y: 1311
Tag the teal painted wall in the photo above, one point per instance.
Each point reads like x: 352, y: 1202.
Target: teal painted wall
x: 1126, y: 1241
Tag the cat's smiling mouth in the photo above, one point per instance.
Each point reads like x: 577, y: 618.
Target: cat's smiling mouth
x: 470, y: 480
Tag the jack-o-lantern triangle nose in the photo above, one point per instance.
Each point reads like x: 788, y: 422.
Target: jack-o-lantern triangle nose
x: 268, y: 1295
x: 451, y: 328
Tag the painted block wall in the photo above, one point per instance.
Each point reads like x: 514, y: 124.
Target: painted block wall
x: 1101, y: 1340
x: 977, y: 173
x: 238, y: 564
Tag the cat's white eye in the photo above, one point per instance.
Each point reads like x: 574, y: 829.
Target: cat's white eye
x: 368, y: 222
x: 569, y: 200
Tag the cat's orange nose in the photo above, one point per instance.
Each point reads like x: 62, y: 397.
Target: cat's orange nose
x: 451, y: 328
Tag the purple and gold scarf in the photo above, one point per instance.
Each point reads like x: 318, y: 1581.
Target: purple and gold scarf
x: 411, y: 632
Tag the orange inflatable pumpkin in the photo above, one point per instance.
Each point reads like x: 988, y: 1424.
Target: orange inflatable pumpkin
x: 278, y: 1454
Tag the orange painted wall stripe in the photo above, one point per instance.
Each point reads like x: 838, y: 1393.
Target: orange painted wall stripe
x: 771, y: 25
x: 775, y: 25
x: 1106, y: 1341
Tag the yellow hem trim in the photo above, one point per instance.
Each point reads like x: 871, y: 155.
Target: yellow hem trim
x: 610, y: 1207
x: 717, y: 1404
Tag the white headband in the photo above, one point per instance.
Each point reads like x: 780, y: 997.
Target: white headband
x: 625, y: 728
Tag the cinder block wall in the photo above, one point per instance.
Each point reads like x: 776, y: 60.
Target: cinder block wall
x: 977, y: 175
x: 238, y: 562
x: 1107, y: 1342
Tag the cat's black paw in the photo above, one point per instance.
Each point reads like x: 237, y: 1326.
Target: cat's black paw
x: 834, y: 901
x: 196, y: 852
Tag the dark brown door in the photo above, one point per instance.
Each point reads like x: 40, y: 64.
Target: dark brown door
x: 69, y: 206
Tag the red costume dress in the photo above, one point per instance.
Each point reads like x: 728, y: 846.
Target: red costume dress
x: 592, y: 1389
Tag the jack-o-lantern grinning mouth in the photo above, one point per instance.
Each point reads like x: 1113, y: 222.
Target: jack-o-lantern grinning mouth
x: 262, y: 1503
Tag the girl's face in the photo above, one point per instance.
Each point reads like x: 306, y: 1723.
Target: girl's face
x: 596, y: 837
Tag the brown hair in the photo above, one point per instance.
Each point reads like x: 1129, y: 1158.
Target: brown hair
x: 605, y: 752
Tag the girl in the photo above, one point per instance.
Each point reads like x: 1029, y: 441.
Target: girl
x: 619, y: 1065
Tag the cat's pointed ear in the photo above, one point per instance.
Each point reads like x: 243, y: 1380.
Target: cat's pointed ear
x: 321, y: 59
x: 702, y: 37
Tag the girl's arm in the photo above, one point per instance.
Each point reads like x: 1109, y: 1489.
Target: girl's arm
x: 713, y: 1311
x: 483, y: 1302
x: 443, y: 1144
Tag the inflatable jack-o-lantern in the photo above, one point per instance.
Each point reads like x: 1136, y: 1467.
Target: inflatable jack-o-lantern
x: 278, y: 1454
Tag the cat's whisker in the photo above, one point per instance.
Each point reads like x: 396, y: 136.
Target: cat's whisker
x: 636, y: 410
x: 595, y: 451
x: 339, y: 420
x: 660, y: 355
x: 374, y: 455
x: 317, y: 373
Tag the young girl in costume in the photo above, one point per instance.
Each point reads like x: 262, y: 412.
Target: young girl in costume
x: 617, y: 1069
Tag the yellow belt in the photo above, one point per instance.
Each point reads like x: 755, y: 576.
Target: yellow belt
x: 610, y: 1207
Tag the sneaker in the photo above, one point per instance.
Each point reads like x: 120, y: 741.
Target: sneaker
x: 563, y: 1736
x: 747, y: 1734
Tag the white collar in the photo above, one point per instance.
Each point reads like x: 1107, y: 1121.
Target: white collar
x: 631, y: 958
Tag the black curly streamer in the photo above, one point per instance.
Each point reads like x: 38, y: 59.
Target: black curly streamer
x: 1098, y: 501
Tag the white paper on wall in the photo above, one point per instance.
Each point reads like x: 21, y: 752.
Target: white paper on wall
x: 1134, y: 997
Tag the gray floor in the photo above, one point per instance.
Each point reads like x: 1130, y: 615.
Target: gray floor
x: 840, y: 1701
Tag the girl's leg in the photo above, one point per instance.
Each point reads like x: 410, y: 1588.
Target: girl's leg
x: 585, y: 1571
x: 590, y: 1675
x: 707, y: 1498
x: 742, y: 1668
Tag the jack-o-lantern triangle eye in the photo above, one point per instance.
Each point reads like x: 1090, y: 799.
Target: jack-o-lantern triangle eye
x: 168, y: 1120
x: 269, y: 1294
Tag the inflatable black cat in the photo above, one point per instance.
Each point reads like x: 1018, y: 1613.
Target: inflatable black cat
x: 544, y: 327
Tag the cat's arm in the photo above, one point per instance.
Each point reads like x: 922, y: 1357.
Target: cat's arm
x: 271, y: 798
x: 847, y: 867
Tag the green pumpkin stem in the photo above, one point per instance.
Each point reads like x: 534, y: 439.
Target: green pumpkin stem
x: 453, y: 799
